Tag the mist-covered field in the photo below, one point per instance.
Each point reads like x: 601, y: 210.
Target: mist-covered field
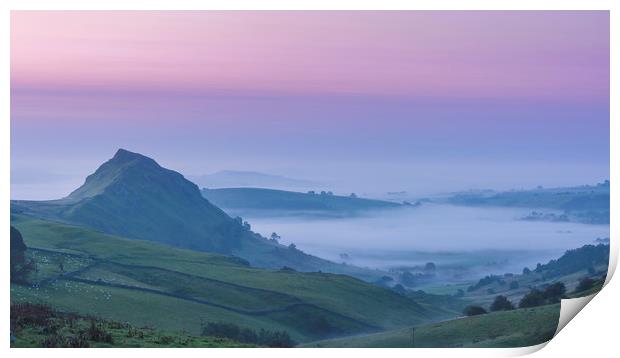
x: 491, y: 240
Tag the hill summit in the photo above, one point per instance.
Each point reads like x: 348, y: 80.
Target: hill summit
x: 133, y: 196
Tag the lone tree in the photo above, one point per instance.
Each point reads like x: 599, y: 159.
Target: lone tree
x: 532, y: 299
x: 430, y: 266
x: 554, y: 292
x: 474, y: 311
x: 275, y: 237
x: 501, y: 303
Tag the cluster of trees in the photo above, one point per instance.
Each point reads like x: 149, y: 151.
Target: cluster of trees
x: 485, y: 281
x: 501, y: 303
x: 312, y: 192
x: 536, y: 297
x: 411, y: 280
x: 551, y: 294
x: 588, y: 283
x: 279, y: 339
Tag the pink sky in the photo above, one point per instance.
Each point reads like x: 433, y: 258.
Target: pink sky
x: 542, y: 55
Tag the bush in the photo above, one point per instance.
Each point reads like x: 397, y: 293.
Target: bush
x: 97, y: 333
x: 474, y: 311
x: 501, y: 303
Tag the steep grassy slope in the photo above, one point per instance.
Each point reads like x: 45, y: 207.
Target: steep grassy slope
x: 259, y: 199
x: 152, y: 284
x: 518, y: 328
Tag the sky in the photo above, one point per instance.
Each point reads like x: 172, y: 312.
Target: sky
x: 423, y: 101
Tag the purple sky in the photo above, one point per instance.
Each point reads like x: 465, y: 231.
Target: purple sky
x: 367, y: 101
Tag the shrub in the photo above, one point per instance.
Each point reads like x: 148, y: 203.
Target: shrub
x: 276, y: 339
x: 97, y: 333
x: 474, y: 311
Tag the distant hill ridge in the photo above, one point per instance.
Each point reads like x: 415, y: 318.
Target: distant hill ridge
x: 271, y: 199
x: 239, y: 178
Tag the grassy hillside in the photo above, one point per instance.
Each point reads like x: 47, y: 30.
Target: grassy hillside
x: 261, y: 200
x: 518, y: 328
x: 146, y: 283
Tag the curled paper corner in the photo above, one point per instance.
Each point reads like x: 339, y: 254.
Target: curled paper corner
x: 569, y: 308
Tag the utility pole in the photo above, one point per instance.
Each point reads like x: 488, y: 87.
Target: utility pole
x: 413, y: 337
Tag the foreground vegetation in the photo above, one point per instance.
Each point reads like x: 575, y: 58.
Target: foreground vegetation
x: 35, y: 325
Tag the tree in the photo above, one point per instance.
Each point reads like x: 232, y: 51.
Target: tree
x: 501, y: 303
x: 474, y: 311
x: 555, y: 291
x: 532, y: 299
x: 292, y: 247
x: 430, y: 266
x: 526, y: 271
x: 275, y: 237
x: 585, y: 284
x: 514, y: 285
x: 398, y: 288
x: 407, y: 279
x: 353, y: 195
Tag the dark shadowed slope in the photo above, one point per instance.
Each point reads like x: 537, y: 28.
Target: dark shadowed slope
x: 132, y: 196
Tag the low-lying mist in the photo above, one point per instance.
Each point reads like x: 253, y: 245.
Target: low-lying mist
x: 444, y: 234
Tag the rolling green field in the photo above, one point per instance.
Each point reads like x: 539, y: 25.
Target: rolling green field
x: 517, y: 328
x: 146, y: 283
